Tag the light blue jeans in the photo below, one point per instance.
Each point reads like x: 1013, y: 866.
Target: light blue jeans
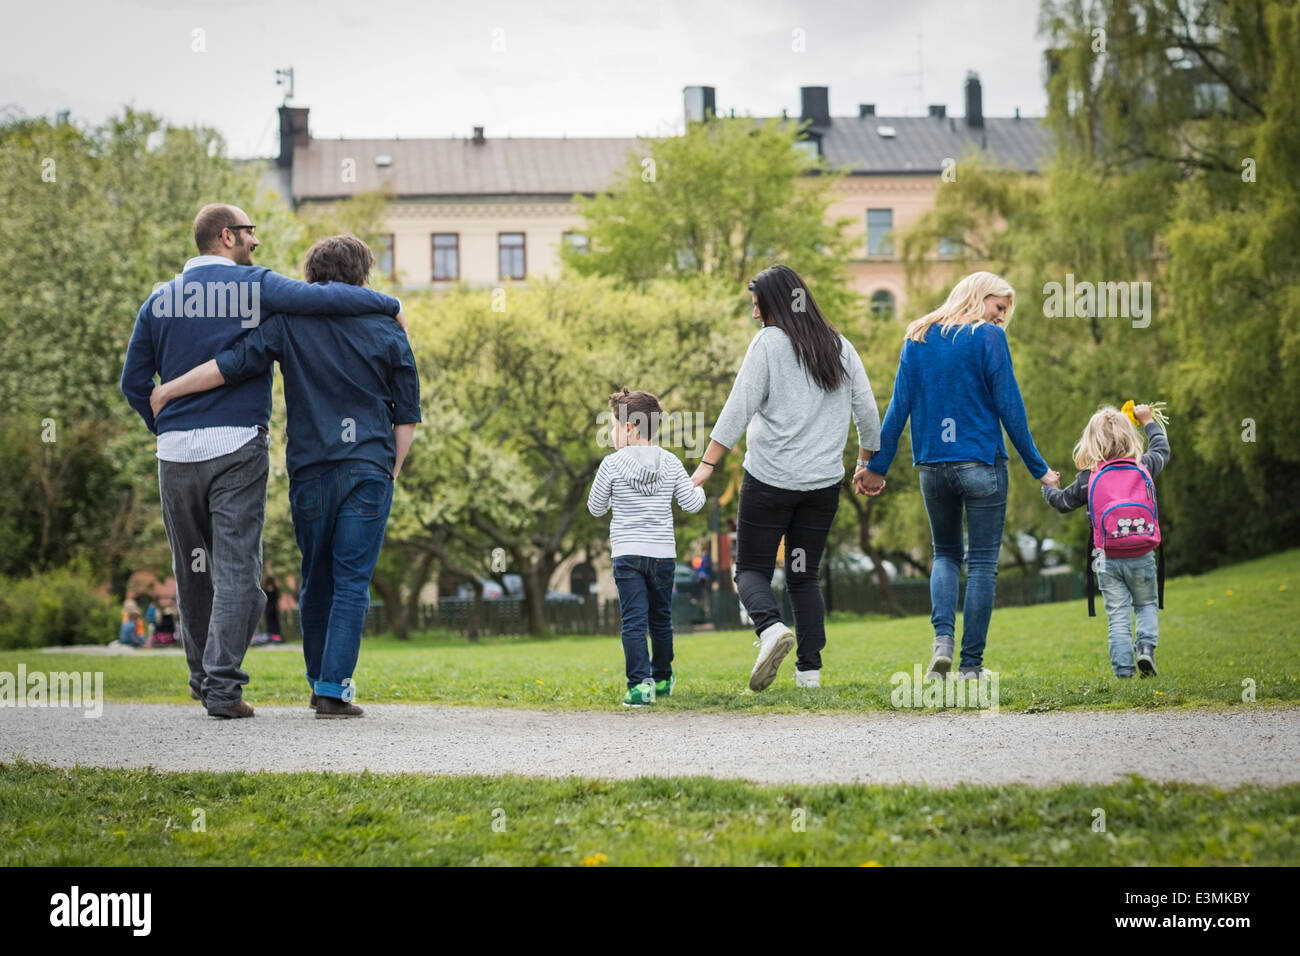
x: 1128, y: 586
x: 980, y: 490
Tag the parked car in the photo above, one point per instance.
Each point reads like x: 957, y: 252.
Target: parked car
x: 492, y: 590
x: 855, y: 562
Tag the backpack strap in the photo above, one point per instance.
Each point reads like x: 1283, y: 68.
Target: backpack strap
x: 1160, y: 577
x: 1091, y: 585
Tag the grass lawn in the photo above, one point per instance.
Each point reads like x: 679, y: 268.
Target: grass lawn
x: 1217, y: 630
x: 52, y: 817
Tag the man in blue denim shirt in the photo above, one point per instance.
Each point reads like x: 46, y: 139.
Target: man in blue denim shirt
x: 352, y: 394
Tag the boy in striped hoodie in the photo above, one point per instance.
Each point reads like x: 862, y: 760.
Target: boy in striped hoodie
x: 639, y: 480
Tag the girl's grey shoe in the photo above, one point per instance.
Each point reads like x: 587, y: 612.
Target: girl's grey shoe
x: 941, y: 662
x: 971, y: 673
x: 1147, y: 659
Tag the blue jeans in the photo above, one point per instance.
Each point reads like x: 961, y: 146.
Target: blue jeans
x: 645, y: 600
x: 339, y: 517
x: 1128, y: 585
x: 948, y: 487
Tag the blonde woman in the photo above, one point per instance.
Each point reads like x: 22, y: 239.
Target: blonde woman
x: 956, y: 383
x: 1127, y: 575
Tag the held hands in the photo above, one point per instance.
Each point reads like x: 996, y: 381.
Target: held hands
x: 701, y: 474
x: 1051, y: 479
x: 868, y: 482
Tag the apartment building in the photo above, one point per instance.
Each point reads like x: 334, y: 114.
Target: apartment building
x: 484, y: 210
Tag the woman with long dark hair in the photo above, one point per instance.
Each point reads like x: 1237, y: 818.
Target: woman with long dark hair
x: 798, y: 386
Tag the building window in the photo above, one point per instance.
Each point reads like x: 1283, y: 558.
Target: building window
x: 882, y: 304
x: 949, y: 247
x: 446, y: 256
x: 879, y: 223
x: 812, y: 147
x: 576, y: 242
x: 510, y: 252
x: 385, y: 258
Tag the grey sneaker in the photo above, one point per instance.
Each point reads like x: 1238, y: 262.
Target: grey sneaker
x: 971, y: 673
x: 1147, y: 659
x: 941, y: 662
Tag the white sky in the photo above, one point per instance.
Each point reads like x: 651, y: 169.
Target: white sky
x: 417, y: 68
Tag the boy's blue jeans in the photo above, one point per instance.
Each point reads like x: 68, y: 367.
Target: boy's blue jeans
x: 339, y: 517
x: 645, y: 600
x: 980, y: 489
x: 1128, y: 585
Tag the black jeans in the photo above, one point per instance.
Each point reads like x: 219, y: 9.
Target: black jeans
x: 803, y: 518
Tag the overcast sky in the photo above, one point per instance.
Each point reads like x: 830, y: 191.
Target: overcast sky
x: 417, y: 68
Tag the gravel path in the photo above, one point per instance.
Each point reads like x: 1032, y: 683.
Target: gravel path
x: 1244, y: 746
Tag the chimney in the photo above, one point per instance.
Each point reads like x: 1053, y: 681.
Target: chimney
x: 974, y: 100
x: 866, y: 109
x: 479, y: 139
x: 938, y: 111
x: 814, y: 104
x: 293, y: 133
x: 700, y: 102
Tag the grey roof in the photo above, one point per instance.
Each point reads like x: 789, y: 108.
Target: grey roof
x: 562, y: 167
x: 459, y: 167
x: 922, y: 143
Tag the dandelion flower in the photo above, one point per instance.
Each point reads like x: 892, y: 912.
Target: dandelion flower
x: 596, y: 859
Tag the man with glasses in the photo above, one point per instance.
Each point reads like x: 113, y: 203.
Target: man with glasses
x: 212, y: 447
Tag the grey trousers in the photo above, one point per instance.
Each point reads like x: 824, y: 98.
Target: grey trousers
x: 213, y: 511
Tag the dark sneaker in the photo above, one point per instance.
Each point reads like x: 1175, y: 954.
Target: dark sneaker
x: 314, y: 701
x: 238, y: 709
x: 1147, y: 659
x: 331, y: 708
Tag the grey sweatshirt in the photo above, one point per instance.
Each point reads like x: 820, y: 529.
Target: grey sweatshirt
x: 1075, y: 494
x: 794, y: 431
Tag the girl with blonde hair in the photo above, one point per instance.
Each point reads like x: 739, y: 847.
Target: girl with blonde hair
x: 956, y: 383
x: 1123, y: 513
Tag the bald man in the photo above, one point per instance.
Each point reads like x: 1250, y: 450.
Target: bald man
x: 212, y: 447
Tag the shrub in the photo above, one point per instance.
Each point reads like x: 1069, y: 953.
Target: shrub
x: 63, y: 606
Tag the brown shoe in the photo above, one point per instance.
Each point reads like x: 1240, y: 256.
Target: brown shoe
x: 329, y: 708
x: 237, y: 709
x: 314, y: 701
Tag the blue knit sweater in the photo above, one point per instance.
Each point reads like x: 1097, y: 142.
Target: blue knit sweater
x: 960, y: 391
x: 204, y: 311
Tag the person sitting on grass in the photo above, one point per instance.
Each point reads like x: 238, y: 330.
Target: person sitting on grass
x: 639, y: 482
x: 1126, y: 568
x: 352, y: 394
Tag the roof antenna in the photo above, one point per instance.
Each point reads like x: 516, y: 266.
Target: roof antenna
x: 284, y: 78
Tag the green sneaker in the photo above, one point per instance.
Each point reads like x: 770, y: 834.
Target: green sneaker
x: 664, y: 688
x: 642, y: 695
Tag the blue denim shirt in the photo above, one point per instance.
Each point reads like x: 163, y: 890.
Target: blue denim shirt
x: 347, y: 382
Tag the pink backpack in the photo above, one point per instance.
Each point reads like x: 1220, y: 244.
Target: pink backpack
x: 1122, y: 509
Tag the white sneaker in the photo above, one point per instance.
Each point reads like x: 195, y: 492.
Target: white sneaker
x: 773, y: 644
x: 807, y: 678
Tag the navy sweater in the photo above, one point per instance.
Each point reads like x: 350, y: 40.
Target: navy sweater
x: 346, y: 384
x: 181, y: 326
x: 960, y: 391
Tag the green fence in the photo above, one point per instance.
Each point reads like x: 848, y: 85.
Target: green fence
x: 854, y: 594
